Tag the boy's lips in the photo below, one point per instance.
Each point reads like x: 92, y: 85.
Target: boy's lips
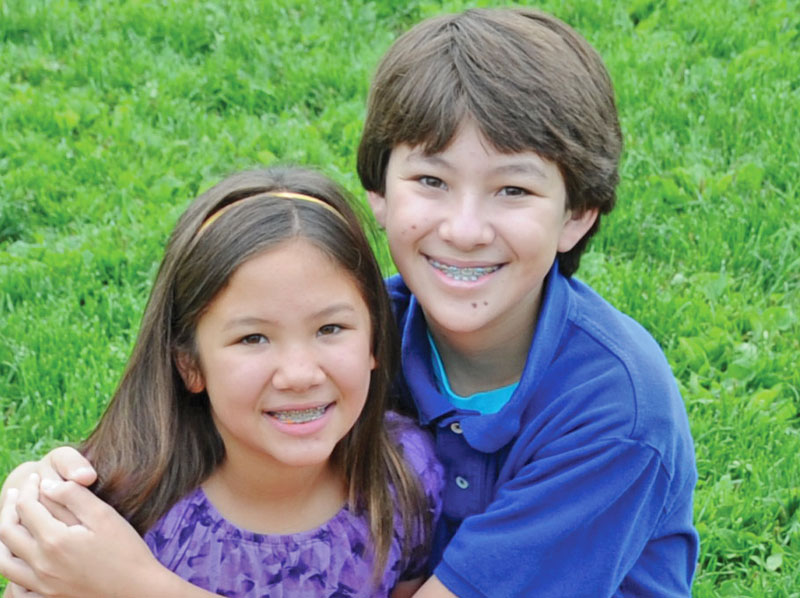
x: 464, y: 273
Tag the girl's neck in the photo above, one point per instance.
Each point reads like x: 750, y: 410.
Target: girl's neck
x: 275, y: 502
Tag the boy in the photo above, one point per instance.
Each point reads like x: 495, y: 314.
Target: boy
x: 489, y: 153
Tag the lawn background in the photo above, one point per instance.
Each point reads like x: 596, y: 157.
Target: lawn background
x: 113, y: 115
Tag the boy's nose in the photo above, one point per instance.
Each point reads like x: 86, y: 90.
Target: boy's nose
x: 466, y: 226
x: 297, y: 370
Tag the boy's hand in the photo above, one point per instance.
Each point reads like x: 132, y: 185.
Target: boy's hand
x: 15, y: 591
x: 89, y: 559
x: 63, y: 463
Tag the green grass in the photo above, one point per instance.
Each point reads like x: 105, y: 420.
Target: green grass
x: 113, y: 115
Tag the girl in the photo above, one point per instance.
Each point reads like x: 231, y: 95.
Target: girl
x: 248, y: 440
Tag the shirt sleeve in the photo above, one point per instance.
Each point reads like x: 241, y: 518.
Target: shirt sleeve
x: 570, y: 523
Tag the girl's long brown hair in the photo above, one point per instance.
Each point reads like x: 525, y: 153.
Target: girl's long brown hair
x: 157, y: 441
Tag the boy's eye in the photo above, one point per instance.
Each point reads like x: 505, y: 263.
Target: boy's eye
x: 254, y: 339
x: 328, y: 329
x: 513, y: 191
x: 432, y: 181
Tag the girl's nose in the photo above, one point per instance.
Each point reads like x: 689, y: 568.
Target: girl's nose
x: 298, y: 370
x: 466, y: 226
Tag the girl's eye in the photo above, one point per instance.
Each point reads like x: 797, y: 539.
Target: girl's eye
x: 329, y: 329
x: 513, y: 192
x: 432, y: 181
x: 254, y: 339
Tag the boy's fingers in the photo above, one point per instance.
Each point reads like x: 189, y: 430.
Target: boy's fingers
x: 29, y: 491
x: 8, y: 512
x: 17, y: 572
x: 58, y: 511
x: 18, y: 476
x: 16, y: 591
x: 35, y: 519
x: 69, y: 464
x: 12, y: 537
x: 89, y: 510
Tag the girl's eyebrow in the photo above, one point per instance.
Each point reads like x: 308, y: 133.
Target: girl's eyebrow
x: 326, y: 312
x: 335, y: 309
x: 245, y: 321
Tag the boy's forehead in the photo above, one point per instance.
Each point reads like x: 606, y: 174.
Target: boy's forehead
x: 470, y: 138
x: 435, y: 143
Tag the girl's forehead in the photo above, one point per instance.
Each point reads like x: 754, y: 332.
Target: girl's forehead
x: 297, y: 261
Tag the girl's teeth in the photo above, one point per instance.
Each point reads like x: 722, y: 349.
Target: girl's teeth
x: 466, y: 274
x: 299, y: 416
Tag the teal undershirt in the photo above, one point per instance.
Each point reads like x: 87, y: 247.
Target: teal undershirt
x: 486, y: 402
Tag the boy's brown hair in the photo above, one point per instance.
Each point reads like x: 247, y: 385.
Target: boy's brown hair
x: 529, y: 82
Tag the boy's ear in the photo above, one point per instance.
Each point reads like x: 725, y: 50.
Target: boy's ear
x: 575, y: 227
x: 190, y: 373
x: 378, y: 204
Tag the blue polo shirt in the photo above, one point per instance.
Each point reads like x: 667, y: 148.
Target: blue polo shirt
x: 582, y: 483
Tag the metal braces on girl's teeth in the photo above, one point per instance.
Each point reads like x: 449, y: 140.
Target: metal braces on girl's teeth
x: 470, y: 274
x: 299, y: 416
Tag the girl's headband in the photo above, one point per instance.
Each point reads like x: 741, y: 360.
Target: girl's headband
x: 285, y: 194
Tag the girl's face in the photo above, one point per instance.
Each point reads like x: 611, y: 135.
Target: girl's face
x: 285, y: 356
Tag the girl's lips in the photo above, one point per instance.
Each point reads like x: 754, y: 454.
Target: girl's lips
x: 299, y: 416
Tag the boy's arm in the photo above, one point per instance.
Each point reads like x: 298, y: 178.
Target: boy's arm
x: 102, y: 556
x: 433, y: 588
x: 576, y: 523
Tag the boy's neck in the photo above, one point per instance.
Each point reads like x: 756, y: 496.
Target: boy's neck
x: 275, y: 502
x: 482, y: 362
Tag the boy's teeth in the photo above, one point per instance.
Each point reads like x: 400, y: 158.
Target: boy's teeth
x: 299, y: 416
x: 457, y: 273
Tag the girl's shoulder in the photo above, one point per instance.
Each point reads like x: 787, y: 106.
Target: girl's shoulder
x: 417, y: 447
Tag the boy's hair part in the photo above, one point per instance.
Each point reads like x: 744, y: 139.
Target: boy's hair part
x: 528, y: 81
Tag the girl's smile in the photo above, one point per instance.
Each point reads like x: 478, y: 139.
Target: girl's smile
x: 284, y: 352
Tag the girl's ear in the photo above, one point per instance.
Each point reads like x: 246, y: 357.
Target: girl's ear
x: 190, y: 372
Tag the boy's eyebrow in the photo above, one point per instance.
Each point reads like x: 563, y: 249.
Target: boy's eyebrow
x: 522, y: 166
x: 417, y: 155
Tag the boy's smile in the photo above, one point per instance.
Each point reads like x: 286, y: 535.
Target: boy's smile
x: 474, y: 232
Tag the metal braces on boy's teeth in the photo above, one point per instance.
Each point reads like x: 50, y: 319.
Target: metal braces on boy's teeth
x: 299, y: 416
x: 469, y: 274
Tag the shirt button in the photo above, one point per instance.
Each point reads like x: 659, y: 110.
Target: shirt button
x: 455, y: 427
x: 462, y: 483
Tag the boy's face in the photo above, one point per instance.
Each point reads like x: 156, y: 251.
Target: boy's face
x: 474, y: 232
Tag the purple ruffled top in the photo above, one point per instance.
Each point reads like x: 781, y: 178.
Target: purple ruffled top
x: 331, y: 561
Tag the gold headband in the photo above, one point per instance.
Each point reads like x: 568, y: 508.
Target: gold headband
x: 285, y: 194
